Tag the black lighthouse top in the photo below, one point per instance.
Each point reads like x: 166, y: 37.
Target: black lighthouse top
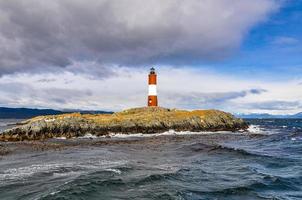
x: 152, y: 70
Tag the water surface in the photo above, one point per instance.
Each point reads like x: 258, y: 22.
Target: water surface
x: 266, y: 164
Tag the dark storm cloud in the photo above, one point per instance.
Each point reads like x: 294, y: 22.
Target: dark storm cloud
x: 39, y: 35
x: 92, y: 70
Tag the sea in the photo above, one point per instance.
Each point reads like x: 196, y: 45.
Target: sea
x: 263, y: 163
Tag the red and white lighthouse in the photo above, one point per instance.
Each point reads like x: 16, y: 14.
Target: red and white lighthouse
x: 152, y: 95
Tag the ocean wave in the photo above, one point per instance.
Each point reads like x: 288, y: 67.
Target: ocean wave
x: 259, y: 130
x: 154, y: 178
x: 205, y: 147
x: 296, y: 138
x: 71, y: 172
x: 143, y: 186
x: 241, y: 151
x: 58, y: 169
x: 98, y: 183
x: 83, y: 188
x: 198, y: 148
x: 88, y: 136
x: 239, y: 192
x: 117, y: 171
x: 2, y: 124
x: 8, y: 122
x: 255, y: 129
x: 27, y: 171
x: 255, y: 188
x: 283, y: 183
x: 237, y: 151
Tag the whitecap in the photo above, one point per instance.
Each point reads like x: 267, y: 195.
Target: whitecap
x: 114, y: 170
x: 61, y: 138
x: 254, y: 129
x: 70, y: 173
x: 55, y: 192
x: 296, y: 138
x: 88, y: 136
x: 168, y: 133
x: 27, y: 171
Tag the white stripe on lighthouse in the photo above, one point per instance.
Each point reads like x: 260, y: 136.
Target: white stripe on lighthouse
x: 152, y: 90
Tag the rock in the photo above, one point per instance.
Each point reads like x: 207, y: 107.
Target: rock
x: 137, y: 120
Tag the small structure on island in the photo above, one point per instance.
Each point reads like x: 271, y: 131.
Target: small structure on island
x: 152, y: 94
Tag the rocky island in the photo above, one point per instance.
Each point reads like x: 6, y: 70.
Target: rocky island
x: 144, y: 120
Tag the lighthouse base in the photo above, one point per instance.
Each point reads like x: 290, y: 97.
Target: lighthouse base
x: 152, y: 100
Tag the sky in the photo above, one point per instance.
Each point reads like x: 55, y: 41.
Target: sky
x: 239, y: 56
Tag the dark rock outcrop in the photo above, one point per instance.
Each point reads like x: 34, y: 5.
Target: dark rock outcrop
x: 137, y: 120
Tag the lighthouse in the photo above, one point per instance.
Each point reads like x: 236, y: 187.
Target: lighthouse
x: 152, y: 95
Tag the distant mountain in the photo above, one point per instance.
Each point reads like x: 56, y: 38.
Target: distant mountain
x: 24, y: 113
x: 268, y: 116
x: 298, y: 115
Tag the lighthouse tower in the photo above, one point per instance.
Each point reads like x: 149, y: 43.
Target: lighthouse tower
x: 152, y: 95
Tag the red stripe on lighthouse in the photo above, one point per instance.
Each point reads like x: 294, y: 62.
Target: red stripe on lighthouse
x: 152, y: 79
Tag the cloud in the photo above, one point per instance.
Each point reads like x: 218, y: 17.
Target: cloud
x: 195, y: 100
x: 91, y: 69
x: 285, y: 41
x: 46, y: 80
x: 257, y: 91
x: 43, y: 35
x: 183, y: 88
x: 26, y: 95
x: 276, y: 105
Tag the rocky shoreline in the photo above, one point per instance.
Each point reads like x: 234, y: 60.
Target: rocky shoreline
x: 144, y: 120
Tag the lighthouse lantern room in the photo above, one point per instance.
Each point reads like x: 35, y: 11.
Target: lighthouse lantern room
x: 152, y: 95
